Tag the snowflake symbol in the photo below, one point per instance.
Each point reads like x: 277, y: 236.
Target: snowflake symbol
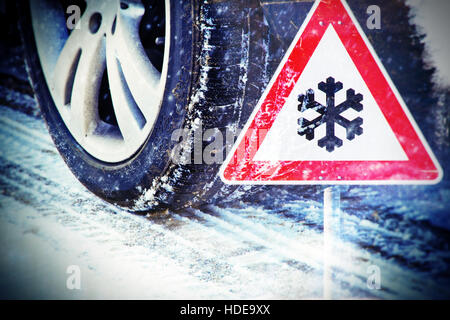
x: 330, y: 114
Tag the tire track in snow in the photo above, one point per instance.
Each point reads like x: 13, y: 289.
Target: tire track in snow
x: 190, y: 250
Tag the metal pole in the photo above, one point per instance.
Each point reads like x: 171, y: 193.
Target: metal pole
x: 331, y: 233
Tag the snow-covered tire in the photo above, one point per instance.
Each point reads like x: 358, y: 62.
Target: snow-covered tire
x: 215, y: 74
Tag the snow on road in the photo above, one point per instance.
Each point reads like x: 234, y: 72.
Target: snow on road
x: 55, y: 222
x: 49, y: 222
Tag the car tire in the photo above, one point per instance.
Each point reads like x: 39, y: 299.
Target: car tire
x: 216, y: 73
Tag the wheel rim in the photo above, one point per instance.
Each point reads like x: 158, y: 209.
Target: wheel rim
x: 106, y: 82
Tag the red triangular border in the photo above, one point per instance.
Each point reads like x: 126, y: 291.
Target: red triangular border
x: 421, y: 167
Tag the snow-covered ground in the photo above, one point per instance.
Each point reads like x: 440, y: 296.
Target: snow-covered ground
x: 270, y: 248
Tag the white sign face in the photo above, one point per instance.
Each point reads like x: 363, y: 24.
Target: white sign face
x: 377, y: 142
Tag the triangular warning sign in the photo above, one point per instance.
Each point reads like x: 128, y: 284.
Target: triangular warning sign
x: 331, y: 115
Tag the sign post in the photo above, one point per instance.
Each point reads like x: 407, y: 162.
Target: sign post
x: 332, y: 228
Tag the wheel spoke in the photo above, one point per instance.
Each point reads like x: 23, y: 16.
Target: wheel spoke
x: 77, y: 77
x: 84, y: 104
x: 128, y: 116
x: 141, y: 76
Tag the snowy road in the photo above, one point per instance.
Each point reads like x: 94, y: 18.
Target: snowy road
x: 49, y: 222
